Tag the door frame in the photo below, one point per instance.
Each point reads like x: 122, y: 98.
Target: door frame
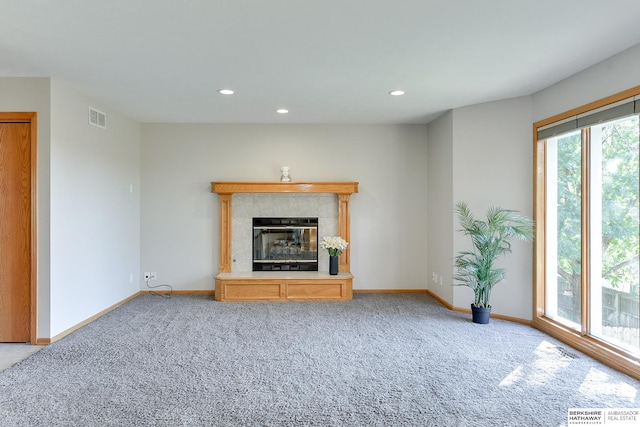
x: 32, y: 119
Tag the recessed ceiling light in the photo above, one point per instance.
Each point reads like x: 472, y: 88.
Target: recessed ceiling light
x: 282, y: 111
x: 225, y: 92
x: 397, y: 93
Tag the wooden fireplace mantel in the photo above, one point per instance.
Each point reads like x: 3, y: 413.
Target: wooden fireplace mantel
x: 225, y: 191
x: 345, y: 188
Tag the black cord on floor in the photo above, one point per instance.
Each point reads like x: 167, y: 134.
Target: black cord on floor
x: 163, y: 294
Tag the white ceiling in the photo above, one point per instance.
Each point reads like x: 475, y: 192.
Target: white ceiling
x: 327, y: 61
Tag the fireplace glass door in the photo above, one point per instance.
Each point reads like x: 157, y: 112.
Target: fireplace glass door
x: 285, y: 244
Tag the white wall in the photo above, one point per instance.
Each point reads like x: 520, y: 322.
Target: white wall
x: 440, y: 193
x: 95, y: 228
x: 180, y: 214
x: 29, y: 95
x: 492, y: 165
x: 481, y: 155
x: 618, y: 73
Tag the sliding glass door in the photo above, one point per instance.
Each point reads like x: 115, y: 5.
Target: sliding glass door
x: 589, y: 187
x: 564, y: 230
x: 614, y: 227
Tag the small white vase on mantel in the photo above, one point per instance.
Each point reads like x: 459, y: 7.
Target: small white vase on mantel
x: 284, y: 174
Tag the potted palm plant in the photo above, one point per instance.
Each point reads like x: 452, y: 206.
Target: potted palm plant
x: 491, y: 239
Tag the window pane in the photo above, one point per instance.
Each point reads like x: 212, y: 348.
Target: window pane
x: 614, y: 227
x: 564, y: 207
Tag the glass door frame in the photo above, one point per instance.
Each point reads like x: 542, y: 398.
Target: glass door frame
x: 611, y: 355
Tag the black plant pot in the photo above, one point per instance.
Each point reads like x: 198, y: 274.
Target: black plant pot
x: 480, y: 314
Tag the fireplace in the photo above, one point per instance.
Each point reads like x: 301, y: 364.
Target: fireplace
x: 285, y: 244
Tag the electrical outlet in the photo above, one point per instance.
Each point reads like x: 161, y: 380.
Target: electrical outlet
x: 147, y: 275
x: 440, y: 280
x: 434, y: 277
x: 153, y: 276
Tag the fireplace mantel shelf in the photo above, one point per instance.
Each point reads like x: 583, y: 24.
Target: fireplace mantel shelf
x: 284, y: 187
x: 282, y: 287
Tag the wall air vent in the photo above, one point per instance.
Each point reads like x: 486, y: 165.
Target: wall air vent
x: 97, y: 118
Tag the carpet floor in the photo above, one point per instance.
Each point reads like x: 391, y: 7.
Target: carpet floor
x: 377, y: 360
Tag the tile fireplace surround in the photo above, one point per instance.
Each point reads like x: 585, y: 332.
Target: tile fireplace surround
x: 249, y: 205
x: 239, y: 202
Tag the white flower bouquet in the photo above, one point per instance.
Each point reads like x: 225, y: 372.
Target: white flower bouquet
x: 334, y: 244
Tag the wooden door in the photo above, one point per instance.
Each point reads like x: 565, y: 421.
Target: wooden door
x: 15, y: 232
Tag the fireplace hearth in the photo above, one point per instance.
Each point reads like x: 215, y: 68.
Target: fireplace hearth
x: 285, y: 244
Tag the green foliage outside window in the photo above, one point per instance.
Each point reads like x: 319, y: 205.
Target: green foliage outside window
x: 620, y: 215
